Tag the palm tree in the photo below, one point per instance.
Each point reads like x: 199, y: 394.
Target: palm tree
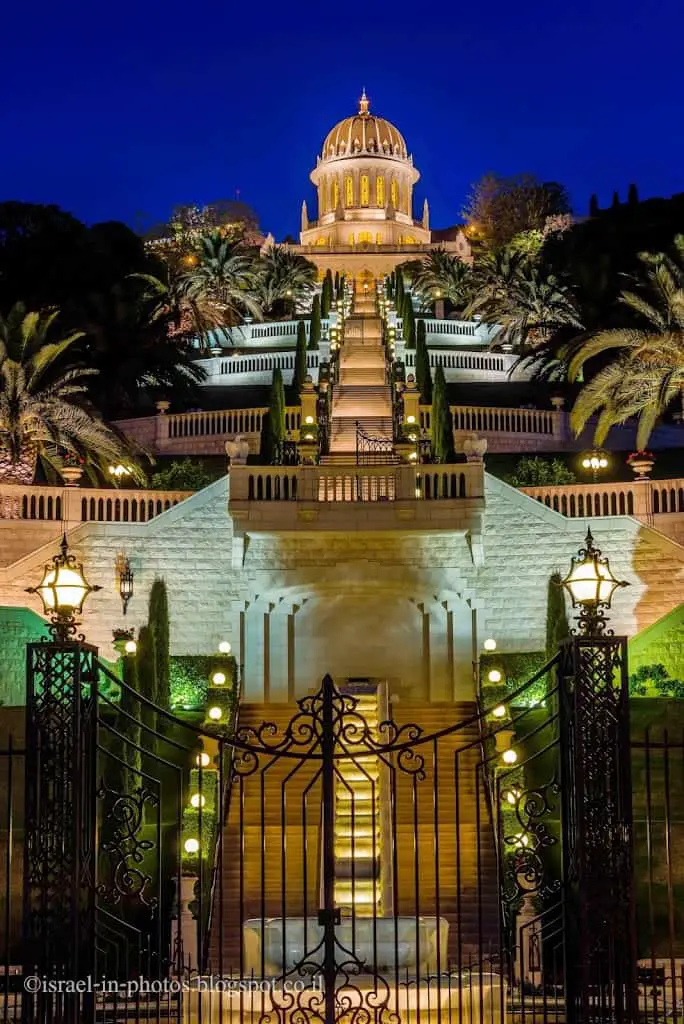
x: 42, y: 401
x: 132, y: 338
x: 440, y: 275
x: 284, y: 279
x: 647, y: 375
x: 221, y: 283
x: 528, y: 302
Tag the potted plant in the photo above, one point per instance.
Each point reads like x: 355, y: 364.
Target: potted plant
x: 72, y: 468
x: 641, y: 463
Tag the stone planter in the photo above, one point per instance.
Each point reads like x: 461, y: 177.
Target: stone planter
x: 641, y: 467
x: 503, y: 739
x: 71, y: 475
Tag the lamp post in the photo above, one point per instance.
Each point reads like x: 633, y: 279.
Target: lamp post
x: 595, y: 762
x: 60, y: 808
x: 596, y: 461
x: 591, y: 584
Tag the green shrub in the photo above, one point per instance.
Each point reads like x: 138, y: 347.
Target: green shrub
x: 190, y: 675
x: 533, y: 471
x: 516, y: 670
x: 184, y: 475
x: 147, y: 685
x: 654, y: 677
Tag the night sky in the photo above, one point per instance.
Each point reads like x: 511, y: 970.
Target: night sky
x: 122, y: 111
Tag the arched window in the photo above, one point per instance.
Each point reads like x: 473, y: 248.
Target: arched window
x: 348, y: 191
x: 365, y: 190
x: 380, y: 190
x: 394, y: 193
x: 365, y: 236
x: 334, y: 194
x: 378, y: 238
x: 351, y: 238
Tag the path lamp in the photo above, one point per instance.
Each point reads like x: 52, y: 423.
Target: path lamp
x: 591, y: 584
x: 63, y: 590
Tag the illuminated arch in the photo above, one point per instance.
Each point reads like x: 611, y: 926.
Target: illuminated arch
x: 365, y: 190
x: 394, y: 194
x: 335, y: 194
x: 380, y: 190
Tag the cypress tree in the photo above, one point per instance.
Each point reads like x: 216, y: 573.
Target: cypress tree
x: 337, y: 283
x: 130, y: 726
x: 158, y: 621
x: 633, y: 195
x: 409, y: 322
x: 442, y: 433
x: 594, y: 208
x: 340, y: 290
x: 326, y: 294
x: 147, y: 686
x: 300, y: 360
x: 273, y: 422
x: 399, y: 291
x: 423, y: 372
x: 616, y: 200
x: 315, y: 329
x: 557, y: 626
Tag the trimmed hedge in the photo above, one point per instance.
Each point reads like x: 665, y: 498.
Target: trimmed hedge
x: 516, y: 669
x: 190, y: 676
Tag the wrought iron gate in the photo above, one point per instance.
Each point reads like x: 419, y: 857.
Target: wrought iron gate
x: 342, y: 863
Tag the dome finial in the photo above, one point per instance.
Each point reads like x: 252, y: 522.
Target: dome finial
x: 363, y: 102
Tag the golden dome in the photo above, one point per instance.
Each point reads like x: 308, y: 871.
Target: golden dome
x: 364, y: 133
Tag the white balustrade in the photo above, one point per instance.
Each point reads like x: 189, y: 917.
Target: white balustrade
x: 73, y: 505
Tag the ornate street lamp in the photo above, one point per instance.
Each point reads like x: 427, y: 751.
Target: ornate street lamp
x: 591, y: 585
x: 595, y: 461
x: 63, y: 589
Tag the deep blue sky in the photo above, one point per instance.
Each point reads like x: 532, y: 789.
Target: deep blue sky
x: 120, y: 111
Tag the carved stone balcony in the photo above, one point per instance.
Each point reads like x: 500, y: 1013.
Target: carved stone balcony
x: 271, y: 499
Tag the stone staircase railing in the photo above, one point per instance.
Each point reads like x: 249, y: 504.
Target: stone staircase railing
x: 73, y: 505
x: 336, y: 483
x: 657, y: 503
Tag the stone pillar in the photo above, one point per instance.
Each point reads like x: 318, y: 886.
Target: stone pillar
x: 253, y: 654
x: 441, y: 651
x: 278, y: 660
x: 309, y: 400
x: 411, y: 397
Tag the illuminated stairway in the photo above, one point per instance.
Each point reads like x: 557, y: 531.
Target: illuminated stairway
x: 359, y: 878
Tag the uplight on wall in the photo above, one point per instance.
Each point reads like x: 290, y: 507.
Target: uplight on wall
x: 215, y: 713
x: 224, y: 647
x: 509, y: 756
x: 489, y: 644
x: 197, y: 800
x: 202, y: 760
x: 494, y: 676
x: 191, y: 845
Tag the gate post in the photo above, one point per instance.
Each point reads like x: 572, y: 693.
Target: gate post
x: 600, y: 939
x: 60, y: 825
x: 328, y: 916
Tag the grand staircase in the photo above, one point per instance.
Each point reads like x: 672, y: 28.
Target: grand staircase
x: 362, y: 394
x: 359, y: 874
x: 407, y: 845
